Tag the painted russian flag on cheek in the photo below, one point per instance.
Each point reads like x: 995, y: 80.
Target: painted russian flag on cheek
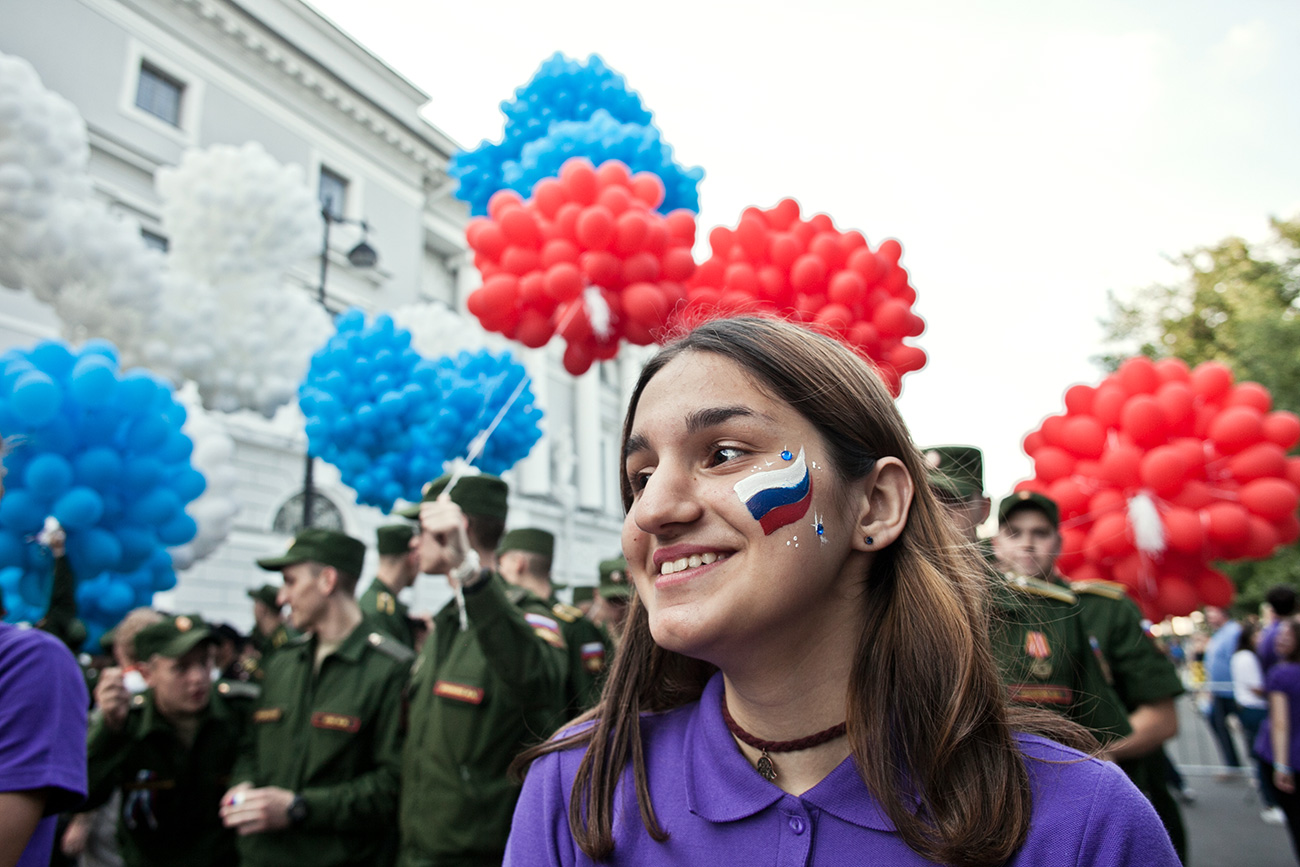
x: 777, y: 497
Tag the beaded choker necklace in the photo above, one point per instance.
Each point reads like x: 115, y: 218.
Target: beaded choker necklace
x: 765, y: 768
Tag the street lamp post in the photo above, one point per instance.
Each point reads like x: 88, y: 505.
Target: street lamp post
x: 360, y: 256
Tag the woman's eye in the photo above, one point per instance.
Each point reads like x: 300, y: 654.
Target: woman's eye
x: 637, y: 481
x: 724, y: 454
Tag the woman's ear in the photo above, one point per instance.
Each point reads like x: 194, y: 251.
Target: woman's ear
x: 886, y: 501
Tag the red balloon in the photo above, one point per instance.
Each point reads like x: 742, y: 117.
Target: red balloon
x: 908, y: 358
x: 835, y: 317
x: 1257, y: 462
x: 1143, y: 420
x: 1053, y: 430
x: 1105, y: 501
x: 602, y: 269
x: 502, y: 201
x: 1250, y: 394
x: 613, y: 173
x: 1176, y: 597
x: 1138, y: 375
x: 497, y: 293
x: 520, y: 228
x: 865, y: 263
x: 1108, y: 403
x: 1193, y: 452
x: 648, y: 189
x: 1194, y: 495
x: 577, y: 358
x: 595, y: 228
x: 681, y: 226
x: 826, y: 246
x: 1163, y: 470
x: 808, y: 274
x: 632, y: 229
x: 1211, y: 380
x: 641, y: 268
x: 783, y: 248
x: 646, y: 304
x: 1261, y: 540
x: 1110, y: 533
x: 615, y: 199
x: 1288, y: 530
x: 1072, y: 544
x: 1173, y: 370
x: 564, y: 281
x: 566, y: 221
x: 489, y: 240
x: 579, y: 179
x: 1069, y: 495
x: 740, y: 277
x: 1176, y: 400
x: 678, y: 264
x: 520, y: 260
x: 1271, y: 499
x: 752, y: 233
x: 534, y: 330
x: 549, y: 195
x: 532, y: 292
x: 1226, y: 523
x: 1078, y: 399
x: 1084, y: 436
x: 1293, y: 471
x: 559, y: 250
x: 847, y: 288
x: 892, y: 319
x: 1120, y: 466
x: 1183, y: 530
x: 1052, y: 463
x: 1032, y: 442
x: 1129, y: 572
x: 1237, y: 427
x: 720, y: 240
x: 1215, y: 588
x: 784, y: 214
x: 1282, y: 428
x: 1089, y: 572
x: 890, y: 251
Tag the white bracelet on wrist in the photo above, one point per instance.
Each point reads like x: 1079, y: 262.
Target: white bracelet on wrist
x: 468, y: 568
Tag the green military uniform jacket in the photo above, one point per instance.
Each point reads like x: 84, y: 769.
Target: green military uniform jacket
x: 384, y: 611
x: 171, y: 792
x: 333, y: 737
x: 1140, y: 674
x: 60, y: 618
x: 589, y: 656
x: 1043, y: 654
x: 477, y: 698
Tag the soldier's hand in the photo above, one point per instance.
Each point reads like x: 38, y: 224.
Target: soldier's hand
x: 56, y: 541
x: 253, y: 811
x: 76, y: 834
x: 112, y: 697
x: 443, y: 526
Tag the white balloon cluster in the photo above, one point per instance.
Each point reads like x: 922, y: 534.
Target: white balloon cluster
x: 215, y: 509
x: 437, y: 331
x: 237, y: 220
x: 56, y: 239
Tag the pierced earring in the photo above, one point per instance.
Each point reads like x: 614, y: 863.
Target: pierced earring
x: 870, y: 541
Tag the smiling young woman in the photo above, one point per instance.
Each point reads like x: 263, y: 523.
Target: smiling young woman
x: 805, y: 676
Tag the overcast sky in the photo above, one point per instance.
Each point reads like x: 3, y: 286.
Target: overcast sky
x: 1030, y: 157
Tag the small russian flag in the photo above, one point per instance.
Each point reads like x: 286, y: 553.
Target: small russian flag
x: 777, y: 497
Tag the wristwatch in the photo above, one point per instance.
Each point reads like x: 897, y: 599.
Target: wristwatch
x: 297, y: 811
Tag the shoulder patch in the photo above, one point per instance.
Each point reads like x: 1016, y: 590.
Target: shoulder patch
x: 1040, y: 588
x: 567, y: 613
x: 390, y: 647
x: 238, y: 689
x: 385, y: 603
x: 1108, y: 589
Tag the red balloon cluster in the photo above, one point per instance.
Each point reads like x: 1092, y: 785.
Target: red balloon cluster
x: 586, y: 257
x: 810, y: 272
x: 1210, y: 455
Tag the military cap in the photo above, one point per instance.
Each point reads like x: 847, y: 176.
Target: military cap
x: 613, y: 578
x: 328, y: 547
x: 172, y: 637
x: 267, y: 594
x: 583, y: 593
x: 476, y: 495
x: 957, y: 469
x: 529, y: 539
x: 1029, y: 500
x: 395, y: 538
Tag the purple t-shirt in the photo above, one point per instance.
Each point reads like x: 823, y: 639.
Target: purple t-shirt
x: 43, y: 704
x: 718, y: 810
x: 1265, y: 648
x: 1284, y: 678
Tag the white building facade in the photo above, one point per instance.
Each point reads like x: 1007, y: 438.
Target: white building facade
x: 153, y: 78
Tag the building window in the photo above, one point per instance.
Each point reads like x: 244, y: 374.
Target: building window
x: 159, y: 94
x: 333, y: 192
x: 154, y: 241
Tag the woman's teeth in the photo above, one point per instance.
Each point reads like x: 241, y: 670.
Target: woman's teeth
x: 691, y: 562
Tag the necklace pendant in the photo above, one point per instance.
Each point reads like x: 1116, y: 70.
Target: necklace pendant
x: 765, y: 768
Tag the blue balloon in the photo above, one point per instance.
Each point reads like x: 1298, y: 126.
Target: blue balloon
x: 142, y: 473
x: 189, y: 484
x: 78, y: 509
x: 98, y: 468
x: 94, y: 380
x: 138, y: 544
x: 11, y: 550
x: 53, y: 358
x: 36, y: 398
x: 147, y: 434
x: 21, y: 513
x: 117, y: 598
x: 94, y: 551
x: 179, y: 530
x: 155, y: 508
x: 136, y: 390
x: 48, y: 475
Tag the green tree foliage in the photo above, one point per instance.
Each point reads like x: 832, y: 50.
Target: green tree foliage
x: 1239, y: 304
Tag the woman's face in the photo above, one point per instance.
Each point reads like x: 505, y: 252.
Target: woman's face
x: 1284, y: 641
x: 738, y: 529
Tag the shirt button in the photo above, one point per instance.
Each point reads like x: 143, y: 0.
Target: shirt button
x: 796, y: 825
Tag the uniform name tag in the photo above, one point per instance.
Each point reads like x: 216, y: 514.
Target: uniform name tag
x: 268, y: 714
x: 459, y: 692
x: 337, y: 722
x: 1040, y: 693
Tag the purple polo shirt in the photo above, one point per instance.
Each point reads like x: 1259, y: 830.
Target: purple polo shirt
x: 1265, y: 648
x: 43, y: 704
x: 1284, y: 678
x: 718, y: 810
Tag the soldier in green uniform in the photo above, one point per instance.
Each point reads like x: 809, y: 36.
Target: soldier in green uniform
x: 524, y: 560
x: 1142, y: 677
x: 60, y: 618
x: 1038, y: 638
x: 270, y: 632
x: 317, y: 781
x: 489, y: 681
x: 609, y: 608
x: 398, y: 568
x: 169, y: 749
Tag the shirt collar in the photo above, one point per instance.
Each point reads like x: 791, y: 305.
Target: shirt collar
x: 724, y: 786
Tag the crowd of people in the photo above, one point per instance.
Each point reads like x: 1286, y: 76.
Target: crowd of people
x: 804, y: 654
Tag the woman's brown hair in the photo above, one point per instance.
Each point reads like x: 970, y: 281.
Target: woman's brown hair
x: 927, y: 721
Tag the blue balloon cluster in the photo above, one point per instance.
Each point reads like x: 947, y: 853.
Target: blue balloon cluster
x: 569, y: 109
x: 101, y: 451
x: 389, y: 419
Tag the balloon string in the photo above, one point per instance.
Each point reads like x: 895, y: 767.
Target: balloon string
x: 479, y: 442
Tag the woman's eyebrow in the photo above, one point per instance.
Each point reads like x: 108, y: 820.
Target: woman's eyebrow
x: 702, y: 419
